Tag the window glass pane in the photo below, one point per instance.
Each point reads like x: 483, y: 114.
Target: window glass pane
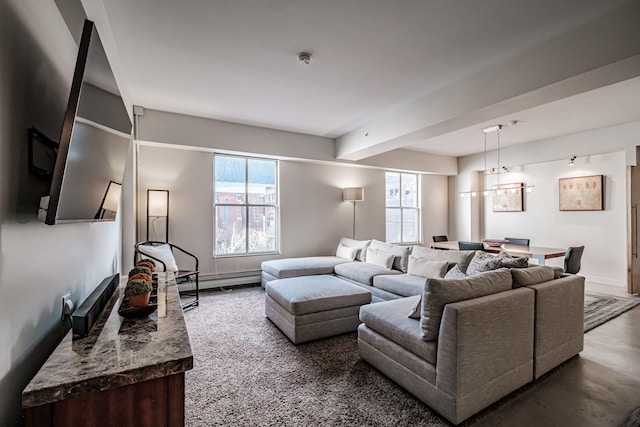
x: 393, y: 226
x: 262, y: 229
x: 262, y: 181
x: 230, y: 230
x: 409, y: 189
x: 409, y: 225
x: 393, y: 189
x: 229, y: 179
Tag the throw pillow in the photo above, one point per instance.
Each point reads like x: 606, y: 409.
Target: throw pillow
x: 462, y: 258
x: 510, y: 262
x: 401, y: 253
x: 423, y: 268
x: 416, y: 310
x: 161, y: 252
x: 380, y: 259
x: 558, y: 272
x: 360, y: 245
x: 455, y: 273
x: 346, y: 252
x: 482, y: 261
x: 437, y: 293
x: 531, y: 276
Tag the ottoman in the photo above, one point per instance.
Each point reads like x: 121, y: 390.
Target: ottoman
x: 310, y: 307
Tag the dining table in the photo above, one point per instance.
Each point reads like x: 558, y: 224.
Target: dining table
x: 539, y: 253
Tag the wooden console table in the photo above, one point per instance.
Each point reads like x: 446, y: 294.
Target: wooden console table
x: 125, y: 372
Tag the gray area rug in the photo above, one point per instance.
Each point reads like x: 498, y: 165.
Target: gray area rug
x: 247, y: 373
x: 599, y: 309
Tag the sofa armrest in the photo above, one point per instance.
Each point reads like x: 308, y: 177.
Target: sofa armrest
x: 559, y: 324
x: 485, y: 345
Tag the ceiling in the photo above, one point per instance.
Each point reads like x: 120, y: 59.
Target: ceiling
x: 237, y: 61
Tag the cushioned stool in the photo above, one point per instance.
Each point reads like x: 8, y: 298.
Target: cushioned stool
x: 311, y: 307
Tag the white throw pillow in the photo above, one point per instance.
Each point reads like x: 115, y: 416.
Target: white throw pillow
x: 346, y: 252
x: 425, y: 268
x: 380, y: 259
x: 161, y: 252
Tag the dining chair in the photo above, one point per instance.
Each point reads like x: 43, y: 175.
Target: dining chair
x: 440, y: 238
x: 517, y: 241
x: 572, y: 259
x: 470, y: 246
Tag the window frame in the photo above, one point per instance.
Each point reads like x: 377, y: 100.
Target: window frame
x: 417, y: 208
x: 246, y: 208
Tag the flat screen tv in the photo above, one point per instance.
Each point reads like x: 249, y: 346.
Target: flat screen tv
x: 94, y: 141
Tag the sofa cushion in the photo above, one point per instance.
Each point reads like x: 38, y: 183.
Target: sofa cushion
x: 390, y: 320
x: 532, y: 275
x: 401, y: 253
x: 508, y: 261
x: 400, y: 284
x: 361, y: 245
x: 361, y: 272
x: 455, y: 273
x: 305, y: 266
x: 380, y: 259
x: 346, y: 252
x: 425, y: 268
x: 439, y: 292
x: 462, y: 258
x: 483, y: 261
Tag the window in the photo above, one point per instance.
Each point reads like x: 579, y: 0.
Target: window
x: 245, y: 205
x: 402, y: 203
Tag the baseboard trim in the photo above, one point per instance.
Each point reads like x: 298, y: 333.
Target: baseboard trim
x: 223, y: 281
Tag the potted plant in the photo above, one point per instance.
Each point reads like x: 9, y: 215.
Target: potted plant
x: 138, y: 291
x: 136, y: 270
x: 147, y: 262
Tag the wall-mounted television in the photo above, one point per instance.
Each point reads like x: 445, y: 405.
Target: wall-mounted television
x: 94, y: 141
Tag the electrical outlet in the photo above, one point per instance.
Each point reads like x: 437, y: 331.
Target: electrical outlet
x: 67, y: 306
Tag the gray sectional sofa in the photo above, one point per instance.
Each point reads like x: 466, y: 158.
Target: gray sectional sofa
x: 458, y: 342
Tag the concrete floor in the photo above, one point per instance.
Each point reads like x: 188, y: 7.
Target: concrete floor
x: 598, y: 388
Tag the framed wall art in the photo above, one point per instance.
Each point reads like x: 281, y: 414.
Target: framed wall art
x: 508, y: 197
x: 582, y: 193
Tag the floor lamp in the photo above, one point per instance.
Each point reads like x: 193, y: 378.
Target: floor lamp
x: 353, y: 194
x: 158, y: 207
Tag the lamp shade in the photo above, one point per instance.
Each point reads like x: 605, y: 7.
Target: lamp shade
x: 112, y: 197
x: 157, y: 202
x: 353, y: 194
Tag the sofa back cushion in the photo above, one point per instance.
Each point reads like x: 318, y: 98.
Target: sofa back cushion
x: 401, y: 253
x: 439, y: 292
x: 425, y: 268
x: 461, y: 258
x: 381, y: 259
x: 532, y: 275
x: 346, y: 252
x: 361, y: 245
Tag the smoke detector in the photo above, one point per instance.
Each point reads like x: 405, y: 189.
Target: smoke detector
x: 304, y: 58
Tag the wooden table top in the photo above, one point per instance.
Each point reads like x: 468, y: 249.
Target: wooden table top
x: 513, y: 250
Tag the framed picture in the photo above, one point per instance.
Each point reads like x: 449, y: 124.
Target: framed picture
x: 508, y: 197
x: 582, y: 193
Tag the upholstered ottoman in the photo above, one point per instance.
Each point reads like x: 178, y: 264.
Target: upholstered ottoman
x: 295, y: 267
x: 311, y: 307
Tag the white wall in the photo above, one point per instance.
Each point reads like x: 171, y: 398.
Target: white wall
x: 604, y: 151
x: 313, y: 215
x: 38, y: 263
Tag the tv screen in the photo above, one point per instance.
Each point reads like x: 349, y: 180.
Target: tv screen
x: 94, y: 141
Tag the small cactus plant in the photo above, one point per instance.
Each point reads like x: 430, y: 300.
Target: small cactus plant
x: 137, y: 287
x: 147, y: 263
x: 143, y: 270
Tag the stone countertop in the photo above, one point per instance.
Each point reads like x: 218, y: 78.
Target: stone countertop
x: 117, y: 351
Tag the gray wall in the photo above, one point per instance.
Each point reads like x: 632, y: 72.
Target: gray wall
x: 38, y: 263
x: 313, y: 215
